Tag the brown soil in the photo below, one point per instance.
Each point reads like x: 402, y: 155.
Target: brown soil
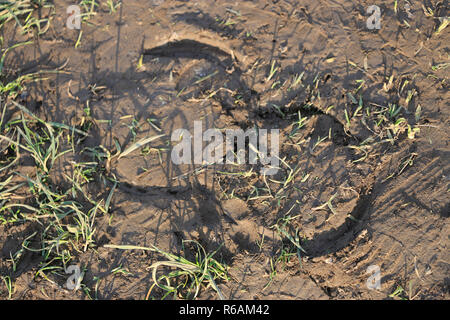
x: 387, y: 211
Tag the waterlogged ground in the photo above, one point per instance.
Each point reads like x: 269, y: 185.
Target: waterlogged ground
x: 358, y: 208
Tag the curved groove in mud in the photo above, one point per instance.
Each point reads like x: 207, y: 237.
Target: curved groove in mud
x: 208, y: 48
x: 333, y: 240
x: 188, y: 48
x: 152, y: 191
x: 336, y: 239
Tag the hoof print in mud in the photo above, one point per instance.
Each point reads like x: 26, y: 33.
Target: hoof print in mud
x: 248, y: 150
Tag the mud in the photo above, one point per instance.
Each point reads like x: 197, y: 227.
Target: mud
x: 349, y: 207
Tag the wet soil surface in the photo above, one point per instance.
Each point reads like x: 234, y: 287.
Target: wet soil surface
x: 355, y: 188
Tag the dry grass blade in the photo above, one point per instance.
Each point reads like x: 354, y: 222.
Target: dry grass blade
x: 49, y: 124
x: 139, y: 144
x: 444, y: 23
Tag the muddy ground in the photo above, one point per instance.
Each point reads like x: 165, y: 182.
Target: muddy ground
x: 365, y: 175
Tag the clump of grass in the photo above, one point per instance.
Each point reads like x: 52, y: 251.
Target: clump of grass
x: 12, y: 84
x: 22, y: 12
x: 67, y: 225
x: 273, y: 70
x: 9, y: 286
x: 284, y: 257
x: 112, y: 5
x: 289, y: 249
x: 89, y: 7
x: 186, y: 276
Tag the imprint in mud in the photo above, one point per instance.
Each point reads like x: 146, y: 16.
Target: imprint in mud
x: 358, y: 184
x: 197, y: 80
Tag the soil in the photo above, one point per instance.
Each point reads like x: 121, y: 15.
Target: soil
x: 348, y: 211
